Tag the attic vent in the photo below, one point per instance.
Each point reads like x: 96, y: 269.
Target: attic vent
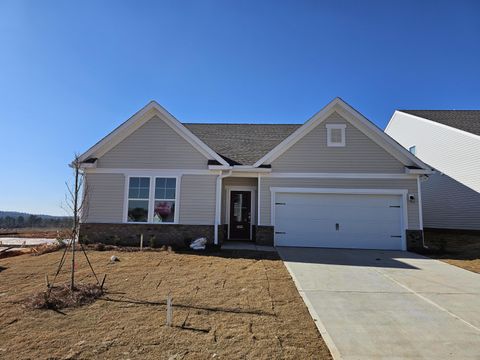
x: 336, y: 135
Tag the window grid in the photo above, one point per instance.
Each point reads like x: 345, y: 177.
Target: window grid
x: 151, y: 200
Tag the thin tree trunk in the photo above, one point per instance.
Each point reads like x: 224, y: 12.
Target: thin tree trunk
x: 75, y: 223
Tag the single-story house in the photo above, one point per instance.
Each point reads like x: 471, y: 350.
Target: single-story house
x: 335, y: 181
x: 448, y: 141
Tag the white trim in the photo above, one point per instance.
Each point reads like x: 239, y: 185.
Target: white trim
x: 240, y: 168
x: 140, y: 118
x: 152, y: 172
x: 253, y: 193
x: 88, y: 165
x: 338, y: 105
x: 218, y: 204
x: 259, y: 183
x: 402, y: 192
x: 151, y: 199
x: 463, y: 132
x: 419, y: 199
x: 418, y: 171
x: 342, y: 175
x: 331, y: 127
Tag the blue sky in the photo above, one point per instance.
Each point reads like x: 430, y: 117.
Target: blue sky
x: 72, y: 71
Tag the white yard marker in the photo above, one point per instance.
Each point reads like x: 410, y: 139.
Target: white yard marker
x: 169, y: 310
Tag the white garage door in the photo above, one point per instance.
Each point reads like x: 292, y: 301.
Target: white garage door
x: 338, y: 220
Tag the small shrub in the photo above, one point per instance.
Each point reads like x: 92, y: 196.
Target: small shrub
x: 62, y: 296
x: 84, y: 239
x: 153, y: 241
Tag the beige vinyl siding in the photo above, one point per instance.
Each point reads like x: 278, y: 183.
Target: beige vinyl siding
x: 448, y: 204
x: 105, y: 196
x: 237, y: 181
x: 155, y: 145
x: 360, y: 155
x: 408, y: 184
x: 197, y: 200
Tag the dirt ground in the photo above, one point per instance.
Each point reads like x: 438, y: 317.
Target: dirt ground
x: 462, y: 250
x: 33, y: 233
x: 228, y: 305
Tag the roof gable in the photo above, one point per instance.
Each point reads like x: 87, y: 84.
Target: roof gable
x: 140, y: 118
x: 359, y: 155
x: 358, y: 120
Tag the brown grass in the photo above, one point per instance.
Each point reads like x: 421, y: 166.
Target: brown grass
x: 462, y: 250
x: 228, y: 305
x: 34, y: 233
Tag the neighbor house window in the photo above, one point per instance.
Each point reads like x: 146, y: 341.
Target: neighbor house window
x: 413, y: 149
x: 138, y: 199
x: 336, y: 134
x: 164, y: 202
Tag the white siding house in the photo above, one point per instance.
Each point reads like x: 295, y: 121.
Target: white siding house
x: 449, y: 141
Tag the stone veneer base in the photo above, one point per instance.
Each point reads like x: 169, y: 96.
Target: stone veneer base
x: 415, y: 240
x: 154, y: 235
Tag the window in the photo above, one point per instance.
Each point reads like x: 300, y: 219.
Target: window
x: 413, y: 149
x: 336, y: 134
x: 148, y: 205
x: 138, y: 199
x: 164, y: 205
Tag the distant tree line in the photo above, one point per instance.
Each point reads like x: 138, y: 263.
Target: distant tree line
x: 34, y: 221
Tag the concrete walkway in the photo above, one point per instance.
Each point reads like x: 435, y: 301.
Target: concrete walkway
x: 245, y: 245
x: 372, y: 304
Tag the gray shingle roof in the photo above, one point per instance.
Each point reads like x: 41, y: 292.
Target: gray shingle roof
x: 466, y: 120
x: 242, y: 143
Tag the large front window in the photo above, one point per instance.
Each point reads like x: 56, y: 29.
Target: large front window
x: 138, y: 199
x: 156, y: 206
x: 164, y: 205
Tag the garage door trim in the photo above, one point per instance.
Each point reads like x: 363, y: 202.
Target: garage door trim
x: 402, y: 192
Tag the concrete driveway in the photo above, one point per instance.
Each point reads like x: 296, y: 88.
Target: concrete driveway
x: 371, y: 304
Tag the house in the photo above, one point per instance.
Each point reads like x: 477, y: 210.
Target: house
x: 449, y: 141
x: 335, y: 181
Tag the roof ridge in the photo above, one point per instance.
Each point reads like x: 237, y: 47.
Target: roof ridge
x: 273, y: 124
x: 439, y: 110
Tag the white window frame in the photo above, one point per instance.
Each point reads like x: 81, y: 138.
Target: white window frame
x: 151, y: 198
x: 331, y: 127
x: 127, y: 199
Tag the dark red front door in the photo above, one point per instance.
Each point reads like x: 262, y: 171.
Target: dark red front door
x: 240, y: 213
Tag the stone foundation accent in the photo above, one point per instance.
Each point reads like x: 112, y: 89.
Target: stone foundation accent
x: 222, y: 233
x: 415, y: 240
x: 154, y: 235
x: 264, y: 235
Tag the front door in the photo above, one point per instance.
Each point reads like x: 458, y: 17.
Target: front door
x: 240, y: 213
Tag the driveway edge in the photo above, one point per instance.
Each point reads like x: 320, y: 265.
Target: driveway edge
x: 316, y: 319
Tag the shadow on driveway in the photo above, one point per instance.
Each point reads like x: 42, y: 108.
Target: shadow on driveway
x: 349, y: 257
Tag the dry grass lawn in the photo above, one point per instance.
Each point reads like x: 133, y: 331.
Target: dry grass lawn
x: 462, y: 250
x: 228, y: 305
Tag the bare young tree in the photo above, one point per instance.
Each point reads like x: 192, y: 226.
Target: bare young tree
x: 76, y: 201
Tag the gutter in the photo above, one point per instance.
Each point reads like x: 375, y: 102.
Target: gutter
x: 240, y: 168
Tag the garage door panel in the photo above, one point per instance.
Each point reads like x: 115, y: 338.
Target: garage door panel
x: 338, y: 220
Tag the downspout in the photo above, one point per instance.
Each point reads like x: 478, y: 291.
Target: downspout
x: 218, y: 203
x: 420, y: 206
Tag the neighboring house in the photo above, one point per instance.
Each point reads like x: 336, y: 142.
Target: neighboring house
x: 335, y: 181
x: 449, y: 141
